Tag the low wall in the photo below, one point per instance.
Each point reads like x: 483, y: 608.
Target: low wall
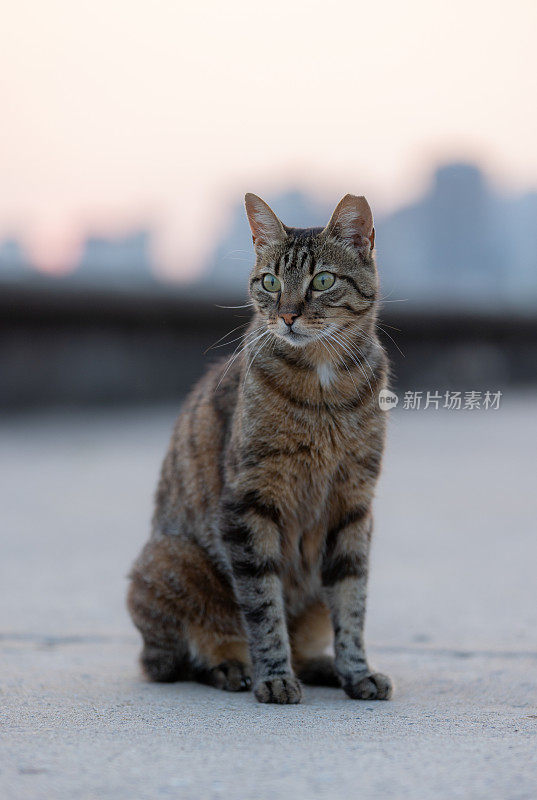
x: 75, y: 347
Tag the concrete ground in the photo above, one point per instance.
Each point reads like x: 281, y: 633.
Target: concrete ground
x: 452, y: 617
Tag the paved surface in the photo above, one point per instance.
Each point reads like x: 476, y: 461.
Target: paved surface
x: 453, y: 618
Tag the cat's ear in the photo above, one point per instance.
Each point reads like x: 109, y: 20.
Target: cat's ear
x: 265, y: 226
x: 352, y: 222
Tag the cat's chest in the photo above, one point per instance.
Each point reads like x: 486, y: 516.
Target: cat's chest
x: 324, y: 437
x: 298, y: 455
x: 305, y: 501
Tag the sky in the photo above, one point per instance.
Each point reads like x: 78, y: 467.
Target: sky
x: 116, y: 113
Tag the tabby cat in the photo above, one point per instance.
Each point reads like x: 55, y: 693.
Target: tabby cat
x: 258, y: 557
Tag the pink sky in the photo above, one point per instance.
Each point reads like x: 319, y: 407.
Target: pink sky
x: 167, y: 112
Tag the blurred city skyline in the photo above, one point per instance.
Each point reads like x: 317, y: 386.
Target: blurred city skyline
x: 460, y: 243
x: 128, y: 115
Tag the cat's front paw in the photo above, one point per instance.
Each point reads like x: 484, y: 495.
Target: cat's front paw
x: 369, y: 686
x: 283, y: 689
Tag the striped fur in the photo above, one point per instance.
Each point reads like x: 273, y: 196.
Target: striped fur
x: 258, y: 556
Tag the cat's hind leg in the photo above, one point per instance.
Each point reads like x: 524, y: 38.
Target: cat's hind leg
x: 157, y: 615
x: 164, y: 664
x: 220, y: 660
x: 169, y: 663
x: 188, y: 617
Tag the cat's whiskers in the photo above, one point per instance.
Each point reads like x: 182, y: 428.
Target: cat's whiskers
x: 264, y: 341
x: 247, y: 340
x: 247, y: 343
x: 392, y: 327
x: 326, y: 338
x: 354, y: 356
x: 368, y: 339
x: 237, y: 338
x: 390, y: 337
x: 244, y: 305
x: 216, y: 344
x: 398, y: 300
x: 365, y: 337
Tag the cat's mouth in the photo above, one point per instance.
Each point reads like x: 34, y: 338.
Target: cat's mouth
x: 296, y: 338
x: 295, y: 335
x: 299, y: 338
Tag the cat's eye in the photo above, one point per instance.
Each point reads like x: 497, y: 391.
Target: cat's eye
x: 271, y: 283
x: 322, y: 281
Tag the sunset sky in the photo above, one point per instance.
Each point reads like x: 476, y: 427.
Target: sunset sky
x: 120, y: 112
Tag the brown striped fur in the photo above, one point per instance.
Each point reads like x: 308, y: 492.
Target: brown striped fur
x: 258, y: 556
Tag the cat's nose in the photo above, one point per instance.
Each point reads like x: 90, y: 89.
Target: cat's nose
x: 289, y: 318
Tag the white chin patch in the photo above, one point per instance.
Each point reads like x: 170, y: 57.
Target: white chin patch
x: 325, y: 372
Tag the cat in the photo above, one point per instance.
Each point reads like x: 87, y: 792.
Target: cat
x: 257, y: 562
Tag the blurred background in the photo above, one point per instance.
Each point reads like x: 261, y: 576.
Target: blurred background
x: 129, y: 134
x: 131, y: 131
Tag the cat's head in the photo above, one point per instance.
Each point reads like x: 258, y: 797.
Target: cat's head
x: 309, y: 282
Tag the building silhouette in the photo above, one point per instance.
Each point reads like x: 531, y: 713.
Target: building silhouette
x: 119, y: 260
x: 14, y: 262
x: 461, y: 245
